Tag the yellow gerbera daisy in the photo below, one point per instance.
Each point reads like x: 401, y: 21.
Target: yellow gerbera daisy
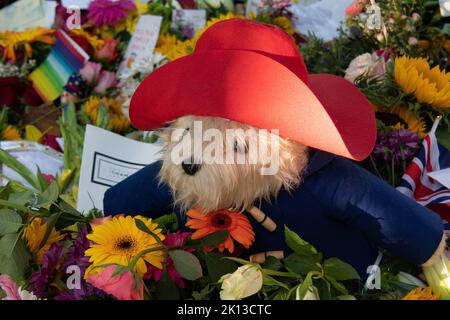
x: 430, y: 86
x: 119, y: 240
x: 422, y: 294
x: 400, y: 117
x: 117, y: 122
x: 11, y: 133
x: 93, y: 40
x: 35, y: 232
x: 12, y: 40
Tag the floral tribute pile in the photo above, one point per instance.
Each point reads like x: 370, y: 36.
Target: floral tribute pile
x: 48, y: 250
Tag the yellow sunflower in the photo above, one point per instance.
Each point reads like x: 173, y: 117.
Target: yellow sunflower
x: 12, y: 40
x: 119, y: 240
x: 35, y: 232
x: 285, y: 23
x: 430, y: 86
x: 173, y: 48
x: 117, y: 121
x: 93, y: 40
x: 400, y: 117
x: 11, y: 133
x: 422, y: 294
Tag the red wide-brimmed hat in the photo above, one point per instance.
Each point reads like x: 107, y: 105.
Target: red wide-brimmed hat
x: 253, y: 73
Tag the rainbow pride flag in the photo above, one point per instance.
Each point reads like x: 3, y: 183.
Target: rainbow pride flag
x: 65, y: 58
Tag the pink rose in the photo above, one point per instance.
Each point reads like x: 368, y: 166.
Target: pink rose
x: 91, y: 72
x: 10, y: 288
x: 122, y: 287
x: 107, y: 80
x: 109, y: 51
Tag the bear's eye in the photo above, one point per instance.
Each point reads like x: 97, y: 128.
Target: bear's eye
x: 240, y: 147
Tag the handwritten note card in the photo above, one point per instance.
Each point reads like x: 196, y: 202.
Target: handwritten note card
x: 143, y: 42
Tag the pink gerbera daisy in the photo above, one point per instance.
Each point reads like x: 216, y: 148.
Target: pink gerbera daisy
x: 109, y: 12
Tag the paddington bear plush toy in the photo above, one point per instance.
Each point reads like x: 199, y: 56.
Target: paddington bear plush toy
x: 245, y: 75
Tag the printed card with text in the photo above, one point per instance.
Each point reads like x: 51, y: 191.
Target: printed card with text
x: 109, y: 158
x: 142, y: 43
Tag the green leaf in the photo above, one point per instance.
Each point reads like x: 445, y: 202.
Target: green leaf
x: 339, y: 270
x: 166, y: 289
x: 203, y: 294
x: 187, y: 265
x: 302, y: 289
x: 18, y: 167
x: 142, y: 226
x: 119, y: 270
x: 218, y: 266
x: 446, y: 29
x: 14, y: 256
x: 49, y: 196
x: 272, y: 263
x: 270, y: 281
x: 10, y: 221
x: 16, y: 186
x: 337, y: 285
x: 166, y: 220
x: 300, y: 246
x: 280, y: 294
x: 238, y: 260
x: 51, y: 222
x: 21, y: 198
x: 443, y: 136
x: 301, y: 264
x: 214, y: 239
x: 41, y: 180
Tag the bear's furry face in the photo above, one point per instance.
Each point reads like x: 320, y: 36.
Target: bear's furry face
x: 213, y: 163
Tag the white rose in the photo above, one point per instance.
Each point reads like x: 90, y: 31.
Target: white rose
x: 244, y: 282
x: 366, y: 63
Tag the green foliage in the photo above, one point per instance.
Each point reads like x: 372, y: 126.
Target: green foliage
x: 10, y: 221
x: 187, y: 265
x: 334, y: 56
x: 217, y: 266
x: 14, y: 256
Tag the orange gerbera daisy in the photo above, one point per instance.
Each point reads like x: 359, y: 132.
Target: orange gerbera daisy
x: 235, y: 223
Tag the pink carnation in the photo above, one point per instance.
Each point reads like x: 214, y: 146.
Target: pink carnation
x: 10, y: 288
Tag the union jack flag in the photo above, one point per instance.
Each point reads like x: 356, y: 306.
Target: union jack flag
x: 417, y: 184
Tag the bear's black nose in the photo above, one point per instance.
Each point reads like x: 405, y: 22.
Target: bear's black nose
x: 190, y: 168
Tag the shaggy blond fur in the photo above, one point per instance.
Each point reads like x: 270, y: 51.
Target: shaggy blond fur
x: 235, y: 186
